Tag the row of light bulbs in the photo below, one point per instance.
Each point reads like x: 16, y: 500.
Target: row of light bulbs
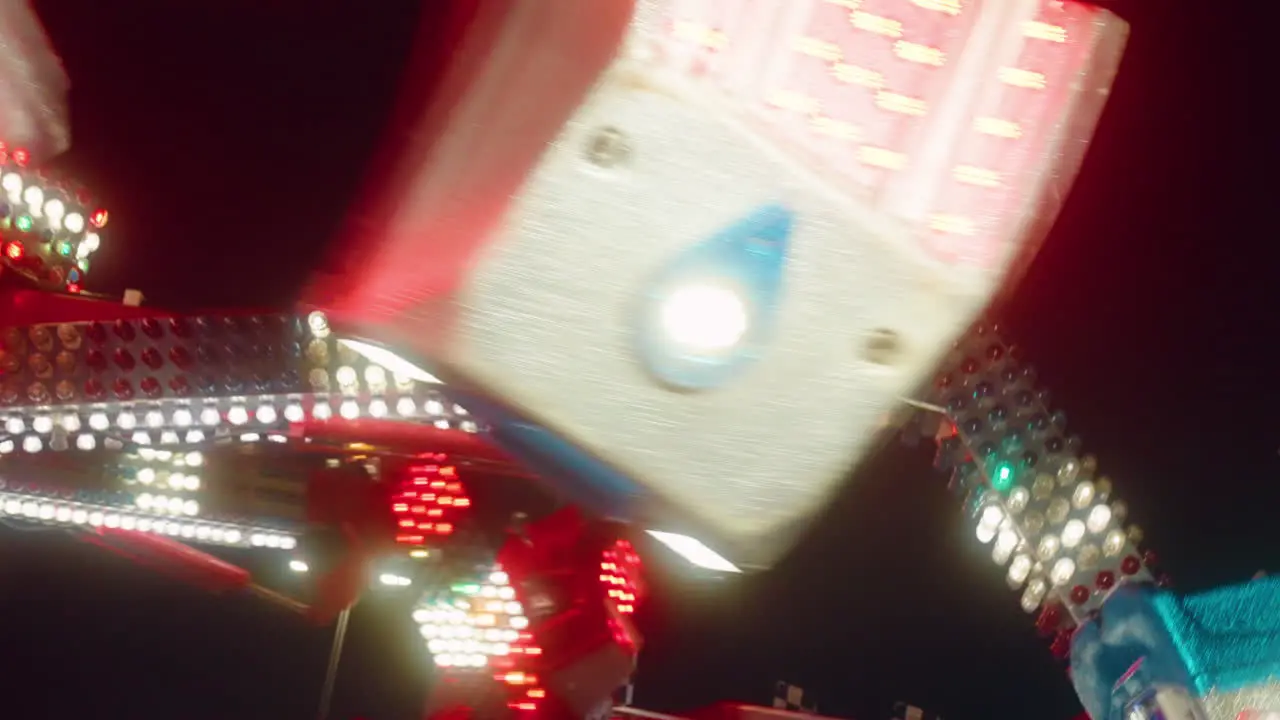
x: 265, y: 412
x: 88, y: 515
x: 52, y: 209
x: 167, y: 505
x: 88, y: 441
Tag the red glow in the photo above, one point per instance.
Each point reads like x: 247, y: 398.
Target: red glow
x: 14, y: 251
x: 99, y: 218
x: 621, y: 576
x: 854, y: 83
x: 21, y: 157
x: 994, y: 168
x: 73, y: 288
x: 410, y: 503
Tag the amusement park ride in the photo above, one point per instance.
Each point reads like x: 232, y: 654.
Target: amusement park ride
x: 659, y: 232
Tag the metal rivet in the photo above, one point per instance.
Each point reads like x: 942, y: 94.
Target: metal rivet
x: 607, y: 147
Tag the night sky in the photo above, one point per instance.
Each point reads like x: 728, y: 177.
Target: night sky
x: 226, y: 139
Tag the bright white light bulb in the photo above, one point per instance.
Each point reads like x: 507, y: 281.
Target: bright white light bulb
x: 126, y: 421
x: 349, y: 410
x: 293, y: 412
x: 98, y: 421
x: 33, y: 196
x: 55, y: 209
x: 1099, y: 518
x: 42, y: 424
x: 406, y: 407
x: 237, y: 415
x: 1062, y: 571
x: 1072, y: 533
x: 266, y: 414
x: 73, y: 222
x: 32, y: 444
x: 346, y: 376
x: 705, y: 318
x: 12, y: 183
x: 319, y: 324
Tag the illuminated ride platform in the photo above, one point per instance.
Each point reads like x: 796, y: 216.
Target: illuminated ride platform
x: 727, y: 219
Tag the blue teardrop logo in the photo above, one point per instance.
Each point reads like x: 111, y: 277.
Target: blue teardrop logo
x: 710, y: 310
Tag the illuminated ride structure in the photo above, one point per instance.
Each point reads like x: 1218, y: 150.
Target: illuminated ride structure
x: 892, y: 166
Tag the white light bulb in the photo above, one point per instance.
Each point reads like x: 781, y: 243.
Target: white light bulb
x: 1072, y: 533
x: 73, y: 222
x: 33, y: 196
x: 266, y: 414
x: 705, y: 318
x: 1082, y: 497
x: 1099, y: 518
x: 1062, y: 571
x: 406, y: 407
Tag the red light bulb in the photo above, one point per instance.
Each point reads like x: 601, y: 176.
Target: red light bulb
x: 21, y: 157
x: 99, y: 218
x: 14, y: 251
x: 1079, y: 595
x: 1105, y: 580
x: 1130, y: 565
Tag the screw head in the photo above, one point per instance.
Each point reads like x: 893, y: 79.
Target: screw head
x: 882, y: 347
x: 607, y: 147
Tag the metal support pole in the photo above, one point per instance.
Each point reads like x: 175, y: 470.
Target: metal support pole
x: 331, y: 674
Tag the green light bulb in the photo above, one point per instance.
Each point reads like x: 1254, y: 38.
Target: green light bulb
x: 1002, y: 477
x: 64, y: 248
x: 24, y: 223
